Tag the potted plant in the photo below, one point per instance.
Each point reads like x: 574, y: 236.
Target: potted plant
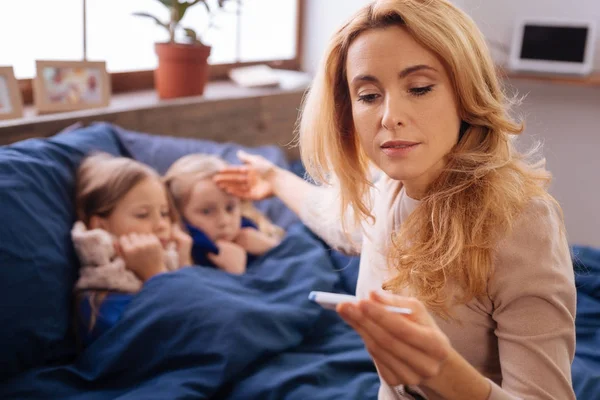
x: 182, y: 65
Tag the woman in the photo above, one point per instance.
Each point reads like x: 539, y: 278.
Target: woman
x: 460, y: 227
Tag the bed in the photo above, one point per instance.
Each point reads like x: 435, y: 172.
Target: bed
x: 197, y: 333
x: 208, y: 334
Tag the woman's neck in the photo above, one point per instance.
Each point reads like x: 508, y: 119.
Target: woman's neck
x: 416, y: 188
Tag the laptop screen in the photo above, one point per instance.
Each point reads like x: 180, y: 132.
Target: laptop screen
x: 554, y: 43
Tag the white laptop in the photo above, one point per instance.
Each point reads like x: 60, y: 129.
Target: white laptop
x: 557, y: 46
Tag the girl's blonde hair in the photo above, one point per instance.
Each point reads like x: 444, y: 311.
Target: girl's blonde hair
x: 486, y: 183
x: 103, y: 180
x: 188, y: 170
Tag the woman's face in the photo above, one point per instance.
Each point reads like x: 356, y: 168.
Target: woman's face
x: 403, y: 106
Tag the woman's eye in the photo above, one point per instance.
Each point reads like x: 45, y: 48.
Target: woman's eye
x: 368, y: 98
x: 205, y: 211
x: 231, y: 208
x: 142, y: 216
x: 164, y: 214
x: 420, y: 91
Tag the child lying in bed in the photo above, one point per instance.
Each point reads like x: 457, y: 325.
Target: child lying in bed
x: 227, y: 232
x: 127, y: 233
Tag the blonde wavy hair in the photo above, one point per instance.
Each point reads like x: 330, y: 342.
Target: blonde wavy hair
x: 188, y: 170
x: 452, y: 234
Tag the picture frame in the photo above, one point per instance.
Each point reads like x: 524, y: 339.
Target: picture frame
x: 70, y: 85
x: 11, y: 101
x: 553, y: 46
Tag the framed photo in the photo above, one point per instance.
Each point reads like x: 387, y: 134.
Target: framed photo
x: 70, y: 85
x: 11, y: 103
x: 553, y: 45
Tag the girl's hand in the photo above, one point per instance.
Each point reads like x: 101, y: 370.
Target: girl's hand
x: 231, y: 258
x: 407, y: 349
x: 255, y: 242
x: 184, y: 244
x: 253, y: 181
x: 143, y: 255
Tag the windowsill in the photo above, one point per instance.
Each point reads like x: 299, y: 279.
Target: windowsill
x: 147, y: 100
x: 592, y: 80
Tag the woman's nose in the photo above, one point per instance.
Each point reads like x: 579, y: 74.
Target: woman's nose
x: 394, y: 114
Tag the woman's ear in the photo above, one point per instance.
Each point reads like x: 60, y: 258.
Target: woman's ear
x: 97, y: 222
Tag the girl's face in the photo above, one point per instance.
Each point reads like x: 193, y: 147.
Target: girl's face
x: 216, y: 213
x: 144, y: 209
x: 403, y: 106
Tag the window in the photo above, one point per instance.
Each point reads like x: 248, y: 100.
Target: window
x: 36, y: 36
x: 246, y: 31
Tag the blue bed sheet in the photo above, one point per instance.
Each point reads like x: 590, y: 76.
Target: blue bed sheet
x: 586, y: 366
x: 200, y: 333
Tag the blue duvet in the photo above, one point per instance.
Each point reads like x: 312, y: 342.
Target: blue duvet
x: 586, y: 366
x: 200, y: 333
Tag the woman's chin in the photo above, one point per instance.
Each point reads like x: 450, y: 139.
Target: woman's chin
x: 400, y: 173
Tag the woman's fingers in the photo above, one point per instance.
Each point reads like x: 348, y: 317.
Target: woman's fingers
x: 426, y: 338
x: 393, y: 370
x: 388, y: 375
x: 409, y: 363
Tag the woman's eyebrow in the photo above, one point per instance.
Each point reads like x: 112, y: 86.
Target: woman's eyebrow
x: 415, y: 68
x: 364, y: 78
x: 403, y: 74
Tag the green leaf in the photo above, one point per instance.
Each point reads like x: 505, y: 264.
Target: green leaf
x: 152, y: 17
x: 191, y: 34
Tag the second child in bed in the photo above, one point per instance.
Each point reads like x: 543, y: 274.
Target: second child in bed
x: 227, y: 232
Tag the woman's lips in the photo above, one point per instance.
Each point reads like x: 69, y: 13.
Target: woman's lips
x: 398, y: 148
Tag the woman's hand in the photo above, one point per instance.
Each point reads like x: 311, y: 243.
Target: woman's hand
x: 143, y: 255
x: 253, y: 181
x: 255, y: 242
x: 407, y: 349
x: 231, y: 258
x: 184, y: 244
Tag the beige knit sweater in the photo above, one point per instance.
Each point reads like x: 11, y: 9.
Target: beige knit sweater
x: 521, y: 336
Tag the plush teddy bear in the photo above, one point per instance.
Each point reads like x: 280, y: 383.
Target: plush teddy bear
x: 101, y: 268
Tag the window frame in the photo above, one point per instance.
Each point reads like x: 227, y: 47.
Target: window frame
x: 131, y: 81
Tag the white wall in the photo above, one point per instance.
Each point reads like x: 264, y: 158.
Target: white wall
x: 565, y: 118
x: 321, y: 19
x: 495, y: 17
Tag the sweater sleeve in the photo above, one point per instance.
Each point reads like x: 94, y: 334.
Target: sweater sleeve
x: 321, y: 213
x: 534, y: 298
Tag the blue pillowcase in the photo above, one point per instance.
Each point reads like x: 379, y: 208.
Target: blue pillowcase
x: 38, y: 263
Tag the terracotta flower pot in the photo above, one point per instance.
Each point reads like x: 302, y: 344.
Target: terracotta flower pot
x: 182, y: 69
